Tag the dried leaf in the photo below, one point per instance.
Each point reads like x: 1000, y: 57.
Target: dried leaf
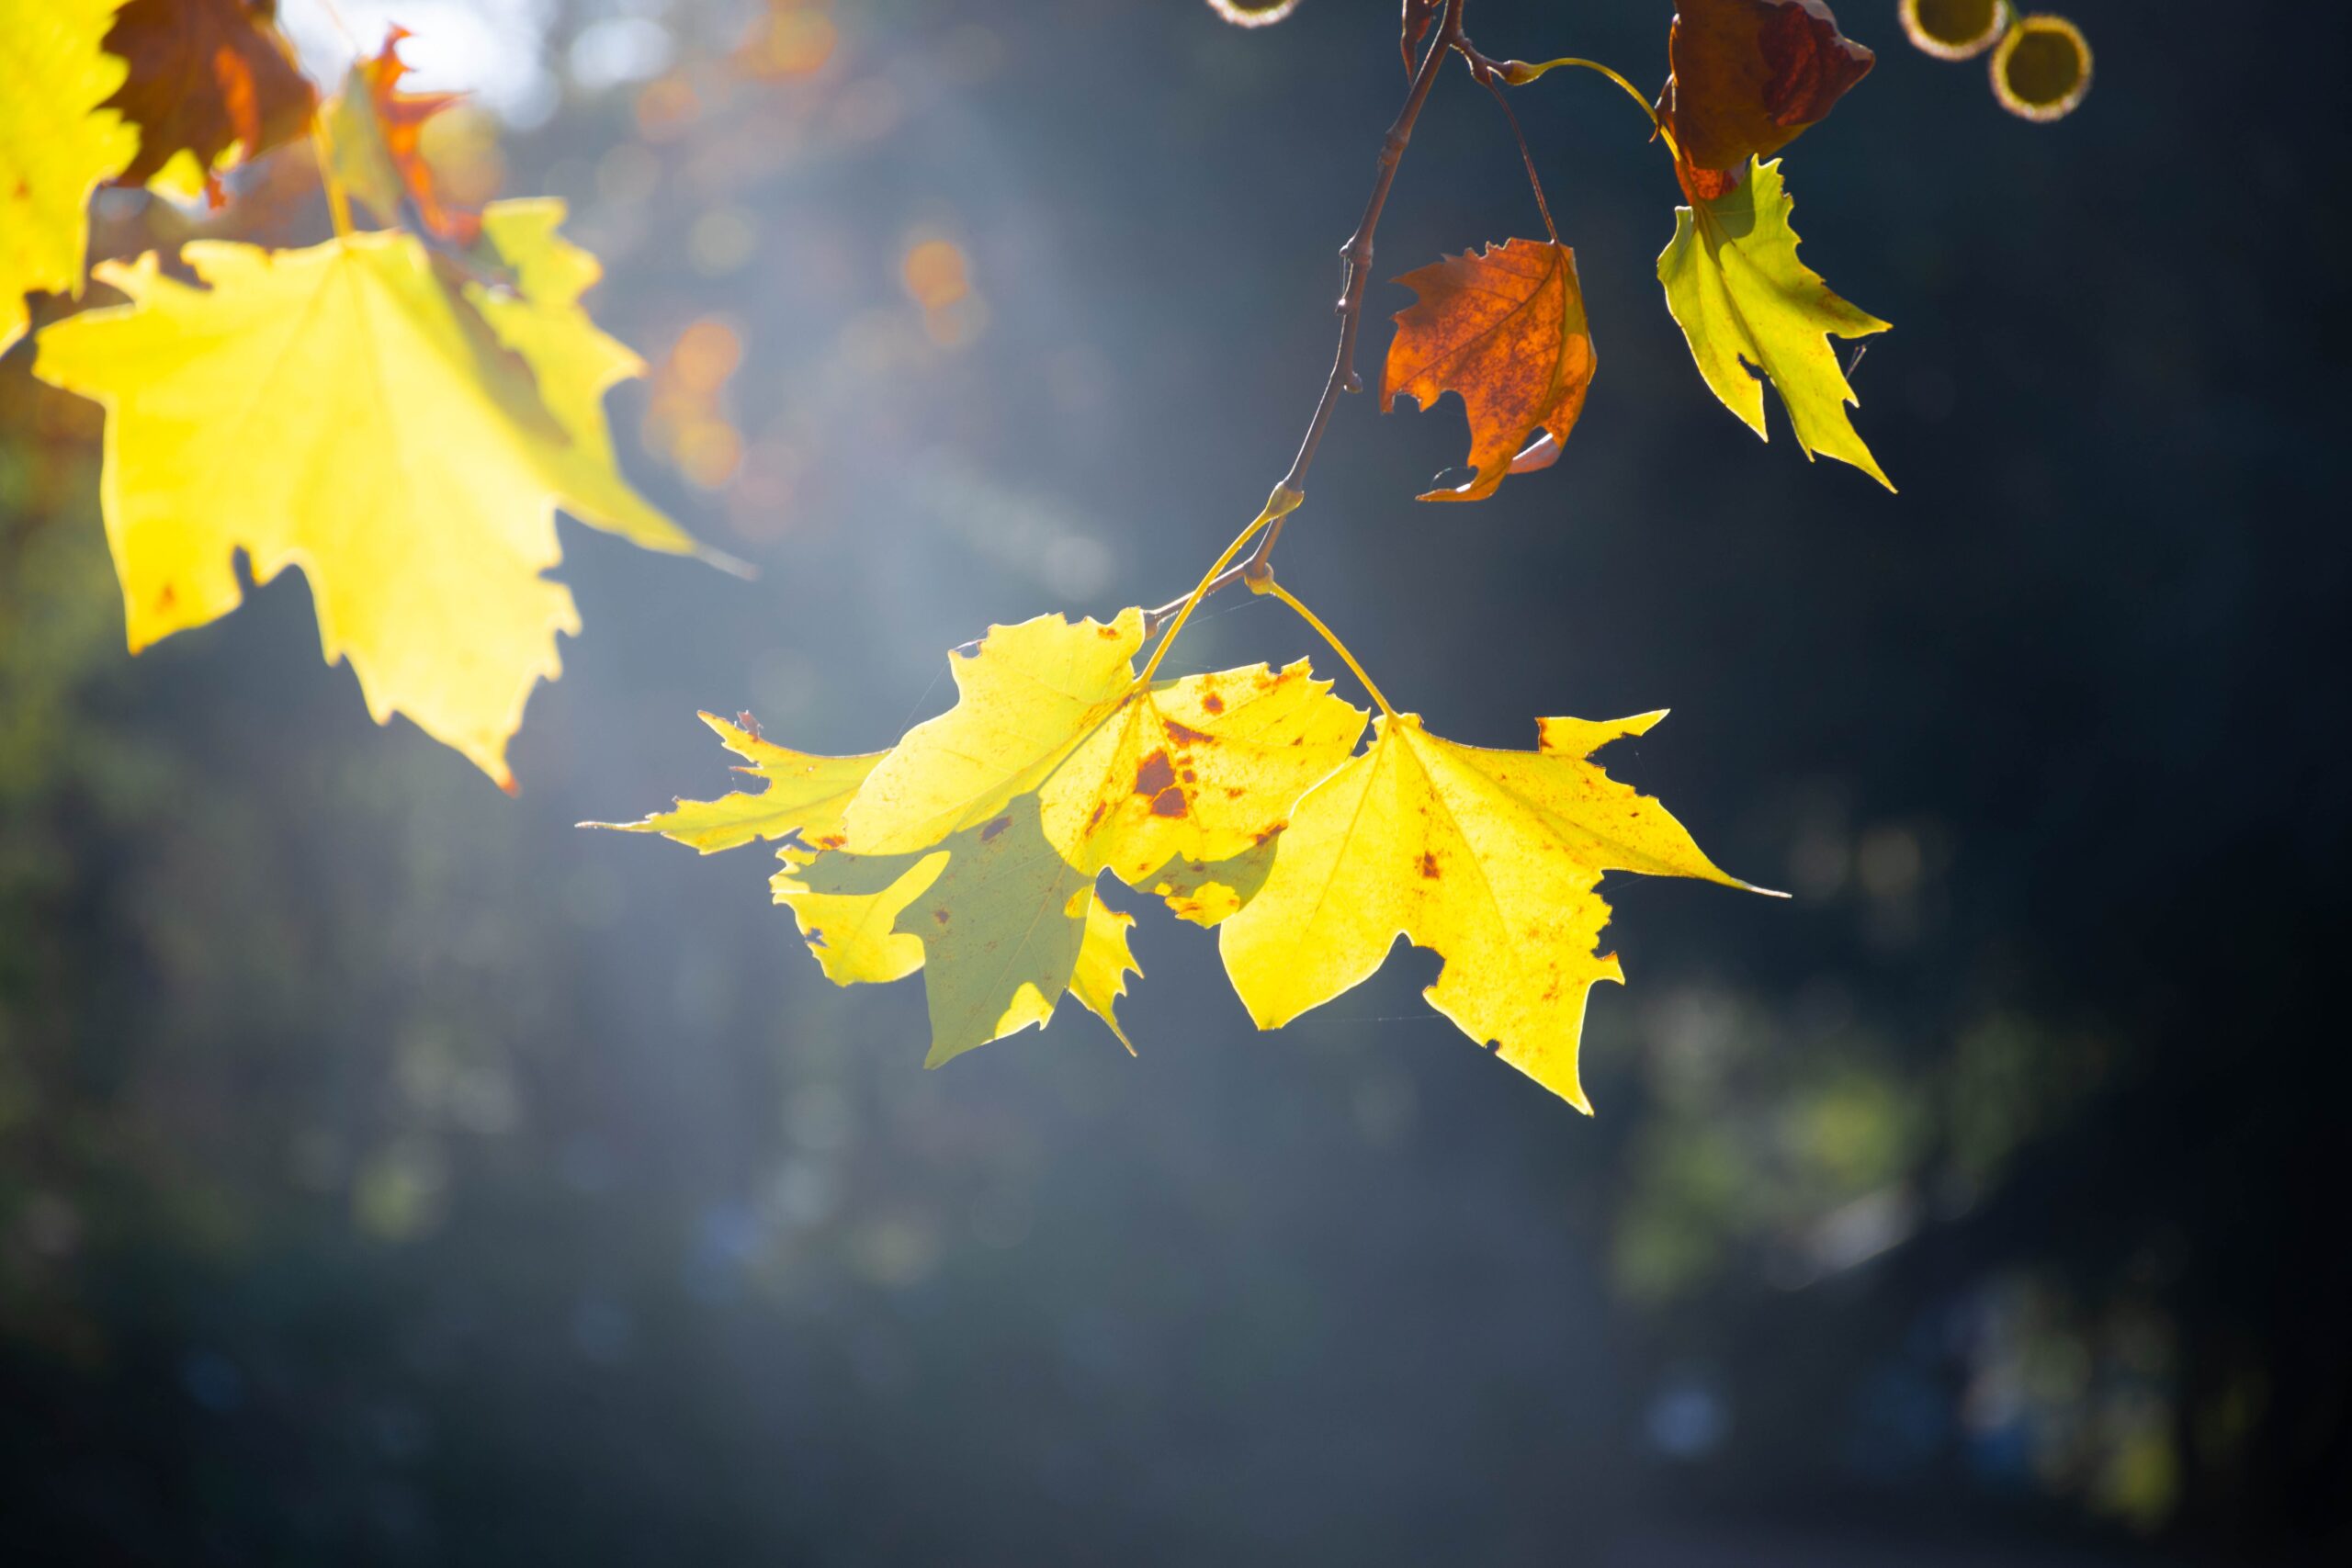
x: 208, y: 77
x: 378, y: 131
x: 1736, y: 288
x: 1489, y: 858
x: 344, y: 410
x: 1504, y: 329
x: 57, y: 144
x: 1748, y: 75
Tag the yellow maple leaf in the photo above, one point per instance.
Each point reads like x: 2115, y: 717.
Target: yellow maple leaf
x: 1206, y: 892
x: 1126, y: 775
x: 1736, y: 288
x: 1104, y: 962
x: 970, y: 850
x: 1488, y: 857
x: 998, y: 921
x: 800, y: 793
x: 56, y: 144
x: 354, y: 410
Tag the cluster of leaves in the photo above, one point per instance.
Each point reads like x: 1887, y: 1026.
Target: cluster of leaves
x: 971, y: 849
x: 397, y: 413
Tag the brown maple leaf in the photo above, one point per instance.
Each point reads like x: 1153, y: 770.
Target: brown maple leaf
x: 379, y: 135
x: 205, y: 75
x: 1506, y: 330
x: 1748, y: 75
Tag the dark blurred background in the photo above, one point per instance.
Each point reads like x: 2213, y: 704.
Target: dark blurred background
x: 390, y: 1173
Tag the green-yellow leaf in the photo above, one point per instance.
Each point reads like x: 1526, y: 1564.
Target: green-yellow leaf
x: 1104, y: 962
x: 800, y: 793
x: 1490, y: 858
x: 56, y: 144
x: 1124, y: 776
x: 1742, y: 298
x: 848, y: 908
x: 348, y: 410
x: 999, y: 922
x: 1206, y: 892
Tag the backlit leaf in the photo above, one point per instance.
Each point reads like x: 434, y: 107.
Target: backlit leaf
x: 801, y: 795
x: 347, y: 411
x: 1742, y: 298
x: 999, y: 916
x: 848, y: 908
x: 1748, y: 76
x: 1104, y: 962
x: 1504, y: 329
x: 1124, y: 776
x: 970, y: 850
x: 1207, y: 892
x: 208, y: 77
x: 1489, y: 858
x: 57, y: 144
x: 378, y: 133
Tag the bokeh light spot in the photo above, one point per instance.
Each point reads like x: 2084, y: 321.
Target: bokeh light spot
x: 2043, y: 68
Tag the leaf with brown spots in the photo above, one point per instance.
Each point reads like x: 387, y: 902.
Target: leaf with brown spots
x: 1126, y: 775
x: 970, y: 850
x: 1489, y: 858
x: 378, y: 131
x: 210, y: 78
x: 1505, y: 330
x: 1748, y: 76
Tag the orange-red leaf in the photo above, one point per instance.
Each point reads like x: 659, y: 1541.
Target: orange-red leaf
x: 1750, y: 76
x: 205, y: 75
x: 1506, y: 330
x: 398, y: 131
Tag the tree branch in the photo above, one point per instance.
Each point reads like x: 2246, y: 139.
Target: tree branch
x: 1356, y: 260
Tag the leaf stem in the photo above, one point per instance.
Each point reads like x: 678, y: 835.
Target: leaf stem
x: 1519, y: 74
x: 338, y: 201
x: 1486, y: 79
x: 1278, y: 505
x: 1284, y: 594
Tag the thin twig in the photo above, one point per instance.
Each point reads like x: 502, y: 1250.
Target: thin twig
x: 1356, y: 259
x: 1488, y: 79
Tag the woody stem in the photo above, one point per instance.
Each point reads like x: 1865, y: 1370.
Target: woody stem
x: 1355, y: 257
